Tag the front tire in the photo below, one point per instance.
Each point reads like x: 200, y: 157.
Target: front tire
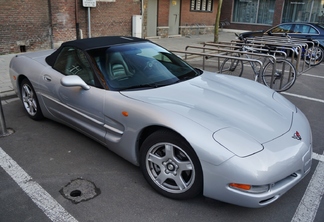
x: 170, y: 165
x: 30, y: 101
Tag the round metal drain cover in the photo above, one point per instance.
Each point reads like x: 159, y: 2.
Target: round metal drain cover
x: 80, y: 190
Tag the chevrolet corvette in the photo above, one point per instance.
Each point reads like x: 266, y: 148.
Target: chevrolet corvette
x: 190, y: 131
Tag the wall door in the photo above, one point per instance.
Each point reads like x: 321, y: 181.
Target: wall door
x: 174, y: 17
x: 152, y: 18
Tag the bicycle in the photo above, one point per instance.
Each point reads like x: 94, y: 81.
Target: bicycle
x: 278, y: 74
x: 313, y: 56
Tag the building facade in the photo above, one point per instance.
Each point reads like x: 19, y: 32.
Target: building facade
x: 263, y: 14
x: 29, y: 25
x: 178, y: 17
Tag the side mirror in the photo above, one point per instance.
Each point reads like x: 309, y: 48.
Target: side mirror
x: 74, y: 80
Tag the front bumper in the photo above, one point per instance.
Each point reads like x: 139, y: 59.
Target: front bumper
x: 280, y: 179
x: 283, y: 163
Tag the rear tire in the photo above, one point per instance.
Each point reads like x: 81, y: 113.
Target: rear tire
x: 314, y: 56
x: 232, y: 67
x: 30, y: 101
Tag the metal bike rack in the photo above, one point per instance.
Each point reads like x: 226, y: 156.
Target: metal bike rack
x: 225, y: 49
x: 259, y: 47
x: 287, y: 43
x: 219, y: 56
x: 226, y: 52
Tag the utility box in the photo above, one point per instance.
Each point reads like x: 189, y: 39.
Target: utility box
x: 137, y: 26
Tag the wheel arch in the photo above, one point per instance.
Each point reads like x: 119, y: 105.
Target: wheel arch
x: 20, y: 78
x: 147, y: 131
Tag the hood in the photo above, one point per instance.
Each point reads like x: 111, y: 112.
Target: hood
x: 220, y: 101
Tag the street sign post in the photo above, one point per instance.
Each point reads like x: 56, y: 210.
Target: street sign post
x: 89, y: 4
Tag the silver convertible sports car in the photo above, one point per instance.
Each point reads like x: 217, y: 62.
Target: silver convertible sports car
x: 189, y: 130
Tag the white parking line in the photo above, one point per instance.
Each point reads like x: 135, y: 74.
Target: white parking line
x: 308, y: 206
x: 303, y: 97
x: 318, y: 157
x: 52, y: 209
x: 311, y: 75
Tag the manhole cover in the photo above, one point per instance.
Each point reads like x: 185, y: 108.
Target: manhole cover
x: 80, y: 190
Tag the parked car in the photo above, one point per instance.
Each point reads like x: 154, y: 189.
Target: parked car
x: 190, y: 131
x: 307, y: 31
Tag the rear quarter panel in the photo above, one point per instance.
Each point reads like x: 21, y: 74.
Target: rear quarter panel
x: 30, y: 65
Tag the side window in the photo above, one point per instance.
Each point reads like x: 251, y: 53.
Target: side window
x: 72, y: 61
x: 299, y: 29
x: 282, y: 29
x: 312, y: 31
x: 304, y: 29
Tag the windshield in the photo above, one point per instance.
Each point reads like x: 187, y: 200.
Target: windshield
x: 140, y: 65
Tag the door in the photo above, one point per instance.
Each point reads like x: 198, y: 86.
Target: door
x: 174, y: 17
x: 79, y: 108
x: 152, y: 18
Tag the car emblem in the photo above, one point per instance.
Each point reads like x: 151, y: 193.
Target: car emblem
x: 297, y: 136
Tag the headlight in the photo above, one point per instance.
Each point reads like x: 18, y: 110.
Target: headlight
x: 237, y: 141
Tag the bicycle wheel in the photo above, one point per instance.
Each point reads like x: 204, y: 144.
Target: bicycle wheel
x: 314, y: 56
x: 232, y: 67
x: 284, y: 75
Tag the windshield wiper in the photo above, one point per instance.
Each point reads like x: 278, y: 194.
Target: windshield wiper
x: 141, y: 86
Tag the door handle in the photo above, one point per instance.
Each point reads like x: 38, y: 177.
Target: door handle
x: 47, y: 78
x: 176, y: 16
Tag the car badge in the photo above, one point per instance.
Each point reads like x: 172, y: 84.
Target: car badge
x: 297, y: 136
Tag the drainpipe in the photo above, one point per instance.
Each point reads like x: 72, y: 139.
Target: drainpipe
x: 77, y: 25
x: 50, y: 24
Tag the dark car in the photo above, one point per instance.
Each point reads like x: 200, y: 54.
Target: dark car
x: 308, y: 31
x: 302, y: 30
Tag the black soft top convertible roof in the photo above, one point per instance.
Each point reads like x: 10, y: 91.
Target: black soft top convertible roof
x: 92, y: 43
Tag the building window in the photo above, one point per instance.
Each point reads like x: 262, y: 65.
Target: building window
x: 254, y: 11
x: 303, y: 11
x: 201, y: 5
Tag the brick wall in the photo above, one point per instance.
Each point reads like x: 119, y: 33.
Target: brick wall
x: 63, y: 20
x: 163, y: 12
x: 41, y: 24
x: 192, y: 18
x: 25, y: 24
x: 107, y: 18
x: 112, y: 18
